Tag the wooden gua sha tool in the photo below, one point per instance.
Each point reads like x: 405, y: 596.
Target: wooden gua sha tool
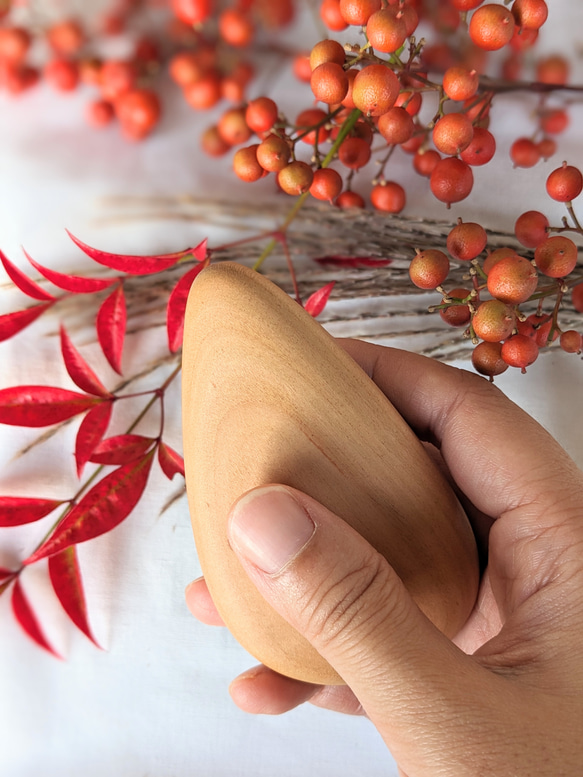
x: 270, y: 397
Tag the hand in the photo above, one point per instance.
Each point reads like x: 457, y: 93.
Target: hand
x: 506, y: 696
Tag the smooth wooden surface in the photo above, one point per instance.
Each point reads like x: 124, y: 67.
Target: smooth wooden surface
x: 270, y: 397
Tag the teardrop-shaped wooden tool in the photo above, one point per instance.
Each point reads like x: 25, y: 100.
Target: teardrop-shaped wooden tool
x: 270, y: 397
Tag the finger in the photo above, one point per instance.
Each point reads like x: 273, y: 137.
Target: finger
x: 338, y: 592
x: 262, y: 691
x: 490, y: 445
x: 200, y: 603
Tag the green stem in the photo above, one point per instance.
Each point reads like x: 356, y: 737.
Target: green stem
x: 346, y: 128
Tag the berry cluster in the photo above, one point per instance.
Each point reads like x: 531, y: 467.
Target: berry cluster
x: 504, y: 335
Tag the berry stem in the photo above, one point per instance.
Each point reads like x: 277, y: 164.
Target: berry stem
x: 345, y: 129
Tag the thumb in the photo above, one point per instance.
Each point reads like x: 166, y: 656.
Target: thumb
x: 347, y: 601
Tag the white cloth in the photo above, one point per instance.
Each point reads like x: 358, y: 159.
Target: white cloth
x: 155, y: 702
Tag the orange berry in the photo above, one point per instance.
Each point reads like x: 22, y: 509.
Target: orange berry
x: 396, y: 126
x: 496, y: 256
x: 375, y: 90
x: 358, y: 12
x: 487, y: 359
x: 236, y: 28
x: 331, y: 16
x: 451, y: 180
x: 553, y: 70
x: 233, y: 127
x: 326, y: 185
x: 386, y: 30
x: 186, y: 67
x: 466, y: 240
x: 493, y: 321
x: 295, y: 178
x: 556, y: 256
x: 212, y: 143
x: 348, y: 102
x: 429, y: 268
x: 577, y: 297
x: 273, y: 153
x: 460, y: 83
x: 246, y: 166
x: 261, y: 114
x: 14, y: 44
x: 531, y: 228
x: 491, y: 26
x: 327, y: 50
x: 410, y: 101
x: 329, y: 83
x: 531, y: 14
x: 466, y: 5
x: 388, y: 196
x: 204, y: 93
x: 301, y: 68
x: 66, y: 37
x: 565, y: 183
x: 452, y: 133
x: 571, y: 341
x: 512, y: 280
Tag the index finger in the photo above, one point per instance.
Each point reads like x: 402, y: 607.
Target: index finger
x: 499, y: 456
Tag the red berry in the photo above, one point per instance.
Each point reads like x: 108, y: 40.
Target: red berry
x: 212, y: 143
x: 531, y: 14
x: 531, y: 228
x: 66, y: 37
x: 331, y: 16
x: 311, y: 118
x: 460, y: 83
x: 388, y: 197
x: 429, y: 268
x: 451, y: 180
x: 481, y: 148
x: 273, y: 153
x: 329, y: 83
x: 555, y: 121
x: 524, y: 153
x: 577, y: 297
x: 233, y: 127
x: 386, y: 30
x: 327, y: 50
x: 62, y: 74
x: 396, y: 126
x: 192, y: 11
x: 100, y: 113
x: 349, y: 199
x: 496, y: 256
x: 116, y: 77
x: 357, y: 12
x: 14, y: 44
x: 138, y: 112
x: 565, y: 183
x: 236, y: 27
x: 519, y: 351
x: 204, y: 93
x: 424, y: 162
x: 571, y: 341
x: 354, y: 153
x: 456, y: 314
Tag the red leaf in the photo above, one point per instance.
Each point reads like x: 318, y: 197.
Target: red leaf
x: 353, y: 261
x: 41, y: 405
x: 139, y: 265
x: 121, y: 449
x: 316, y: 302
x: 18, y: 510
x: 102, y: 508
x: 68, y: 585
x: 22, y: 281
x: 170, y: 461
x: 5, y: 573
x: 73, y: 283
x: 177, y: 307
x: 27, y: 619
x: 79, y: 371
x: 111, y: 327
x: 12, y: 323
x: 91, y: 433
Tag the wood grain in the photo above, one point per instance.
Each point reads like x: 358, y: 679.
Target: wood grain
x: 270, y: 397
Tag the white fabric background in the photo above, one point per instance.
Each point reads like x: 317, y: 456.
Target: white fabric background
x: 155, y: 703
